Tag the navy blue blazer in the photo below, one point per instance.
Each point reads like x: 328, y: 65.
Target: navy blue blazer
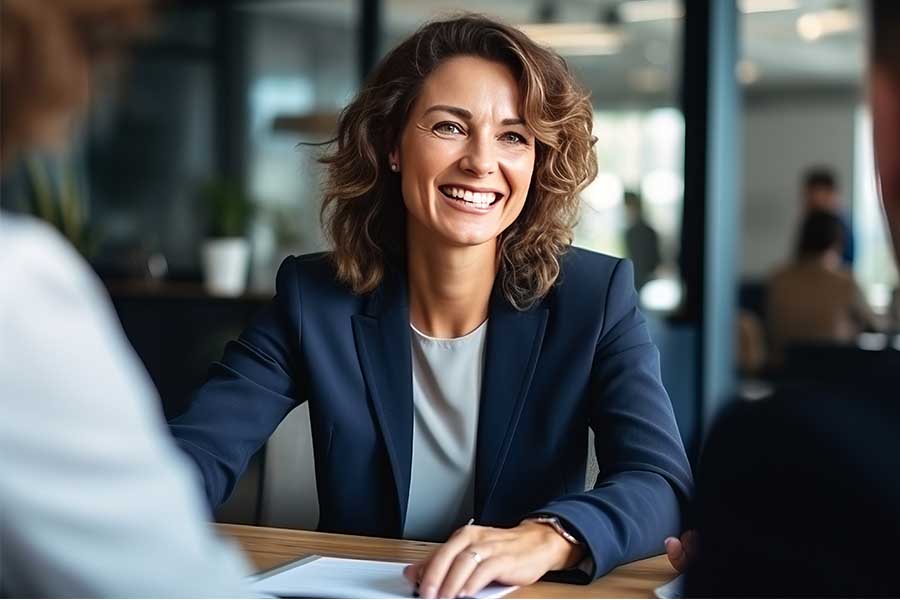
x: 581, y: 357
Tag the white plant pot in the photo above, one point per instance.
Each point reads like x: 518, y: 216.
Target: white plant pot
x: 225, y: 262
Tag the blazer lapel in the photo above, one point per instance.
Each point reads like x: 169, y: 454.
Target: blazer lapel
x: 513, y: 346
x: 382, y: 340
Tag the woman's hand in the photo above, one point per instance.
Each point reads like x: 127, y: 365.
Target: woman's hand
x: 682, y: 551
x: 475, y: 556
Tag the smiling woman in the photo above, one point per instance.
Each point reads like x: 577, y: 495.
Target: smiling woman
x: 453, y: 348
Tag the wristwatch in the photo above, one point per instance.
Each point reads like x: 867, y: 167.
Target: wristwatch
x: 557, y: 526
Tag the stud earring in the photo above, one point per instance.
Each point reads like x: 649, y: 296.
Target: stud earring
x: 395, y: 167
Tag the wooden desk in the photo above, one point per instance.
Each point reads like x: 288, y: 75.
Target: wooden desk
x: 267, y: 548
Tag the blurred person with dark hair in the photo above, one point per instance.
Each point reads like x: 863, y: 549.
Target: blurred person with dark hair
x: 641, y: 240
x: 798, y: 494
x: 814, y: 298
x: 821, y: 193
x: 95, y: 499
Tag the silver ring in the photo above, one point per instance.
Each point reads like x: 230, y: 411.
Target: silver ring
x: 476, y: 557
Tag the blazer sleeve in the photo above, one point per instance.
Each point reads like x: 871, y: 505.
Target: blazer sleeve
x: 645, y: 478
x: 247, y: 393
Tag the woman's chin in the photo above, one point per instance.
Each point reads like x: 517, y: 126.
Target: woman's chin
x: 469, y: 236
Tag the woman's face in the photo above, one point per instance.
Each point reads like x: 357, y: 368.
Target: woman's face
x: 465, y: 155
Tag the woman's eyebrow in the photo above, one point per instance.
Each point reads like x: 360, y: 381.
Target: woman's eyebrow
x: 453, y: 110
x: 464, y: 114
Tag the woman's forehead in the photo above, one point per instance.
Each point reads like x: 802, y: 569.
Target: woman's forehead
x: 483, y: 88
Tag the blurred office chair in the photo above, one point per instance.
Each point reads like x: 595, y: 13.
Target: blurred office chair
x: 289, y: 498
x: 827, y: 363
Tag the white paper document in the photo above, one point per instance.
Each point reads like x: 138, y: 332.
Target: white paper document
x: 326, y: 577
x: 674, y: 590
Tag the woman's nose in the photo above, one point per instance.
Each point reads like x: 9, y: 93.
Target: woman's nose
x: 480, y: 159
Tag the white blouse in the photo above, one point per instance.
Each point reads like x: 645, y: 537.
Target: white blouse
x: 446, y: 392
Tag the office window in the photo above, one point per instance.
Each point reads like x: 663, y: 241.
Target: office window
x: 642, y: 151
x: 299, y: 80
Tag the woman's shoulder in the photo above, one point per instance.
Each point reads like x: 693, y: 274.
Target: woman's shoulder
x: 314, y: 272
x: 579, y: 266
x: 585, y: 273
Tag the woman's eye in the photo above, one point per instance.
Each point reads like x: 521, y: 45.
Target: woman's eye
x: 451, y: 128
x: 513, y: 138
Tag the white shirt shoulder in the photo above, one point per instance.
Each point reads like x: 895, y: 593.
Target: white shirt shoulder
x: 95, y: 499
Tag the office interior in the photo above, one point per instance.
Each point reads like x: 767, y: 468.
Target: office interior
x: 710, y: 112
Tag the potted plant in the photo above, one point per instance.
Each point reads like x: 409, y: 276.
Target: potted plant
x: 226, y: 251
x: 57, y: 196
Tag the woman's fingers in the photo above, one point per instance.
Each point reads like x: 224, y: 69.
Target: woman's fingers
x: 487, y: 572
x: 675, y: 553
x: 413, y: 572
x: 440, y: 562
x: 681, y: 551
x: 461, y: 569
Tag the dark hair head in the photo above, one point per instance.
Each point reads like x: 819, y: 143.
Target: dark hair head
x: 632, y: 199
x: 362, y: 213
x: 820, y: 231
x: 820, y: 176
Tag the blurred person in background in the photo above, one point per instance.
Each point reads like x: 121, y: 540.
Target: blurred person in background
x: 815, y: 299
x: 821, y: 193
x: 95, y: 499
x: 797, y: 494
x: 641, y: 241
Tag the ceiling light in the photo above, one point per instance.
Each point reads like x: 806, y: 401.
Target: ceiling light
x: 763, y: 6
x: 814, y: 25
x: 650, y: 10
x: 577, y: 39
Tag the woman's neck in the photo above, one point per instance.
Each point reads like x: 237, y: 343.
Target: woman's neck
x: 449, y: 286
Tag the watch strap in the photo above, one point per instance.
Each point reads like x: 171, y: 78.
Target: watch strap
x: 557, y: 526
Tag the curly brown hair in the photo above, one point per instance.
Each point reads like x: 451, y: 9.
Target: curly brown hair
x: 360, y: 211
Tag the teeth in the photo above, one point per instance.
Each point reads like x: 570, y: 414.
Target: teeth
x: 479, y: 198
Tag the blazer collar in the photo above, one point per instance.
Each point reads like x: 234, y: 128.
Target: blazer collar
x: 513, y: 346
x: 382, y: 337
x: 382, y: 340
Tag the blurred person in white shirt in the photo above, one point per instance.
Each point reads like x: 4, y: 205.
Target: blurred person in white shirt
x: 95, y: 499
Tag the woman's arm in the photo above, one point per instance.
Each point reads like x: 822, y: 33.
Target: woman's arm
x: 247, y: 393
x: 645, y: 477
